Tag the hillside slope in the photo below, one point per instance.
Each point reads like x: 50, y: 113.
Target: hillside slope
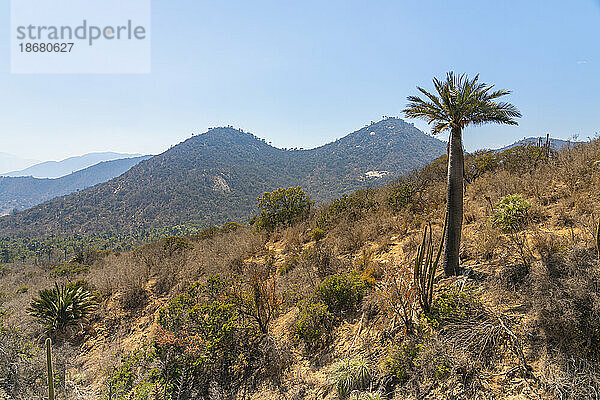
x: 25, y: 192
x: 237, y: 313
x: 216, y: 177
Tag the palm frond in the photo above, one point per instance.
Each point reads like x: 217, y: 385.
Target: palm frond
x: 461, y: 101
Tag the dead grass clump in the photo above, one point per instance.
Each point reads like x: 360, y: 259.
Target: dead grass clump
x: 569, y: 377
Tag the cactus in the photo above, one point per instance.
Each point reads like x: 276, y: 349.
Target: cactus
x: 49, y: 365
x: 545, y: 147
x: 425, y: 267
x: 598, y: 238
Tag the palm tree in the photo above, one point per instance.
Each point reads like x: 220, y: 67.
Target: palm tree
x: 459, y: 102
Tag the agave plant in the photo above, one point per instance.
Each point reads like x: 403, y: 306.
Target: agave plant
x: 349, y: 375
x: 368, y: 396
x: 62, y: 306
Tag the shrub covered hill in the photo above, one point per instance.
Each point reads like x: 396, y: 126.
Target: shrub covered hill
x: 328, y: 303
x: 216, y: 177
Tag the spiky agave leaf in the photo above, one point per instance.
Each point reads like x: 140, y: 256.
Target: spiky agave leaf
x: 62, y: 306
x: 350, y: 374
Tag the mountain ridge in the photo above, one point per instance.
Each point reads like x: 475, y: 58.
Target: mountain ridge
x: 25, y: 192
x: 58, y: 169
x: 215, y: 177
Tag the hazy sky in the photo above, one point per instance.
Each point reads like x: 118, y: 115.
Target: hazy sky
x: 304, y: 73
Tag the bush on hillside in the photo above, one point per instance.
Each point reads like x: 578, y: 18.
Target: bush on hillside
x: 206, y: 336
x: 348, y: 208
x: 17, y: 371
x: 175, y: 244
x: 313, y: 324
x: 350, y: 375
x: 400, y: 361
x: 282, y: 208
x: 480, y: 162
x: 521, y: 159
x: 342, y: 292
x: 401, y: 195
x: 510, y: 213
x: 565, y: 298
x: 454, y: 305
x: 317, y: 234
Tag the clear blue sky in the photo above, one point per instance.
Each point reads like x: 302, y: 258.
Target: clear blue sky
x: 304, y: 73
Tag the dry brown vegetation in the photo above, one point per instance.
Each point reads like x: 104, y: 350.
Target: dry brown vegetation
x: 521, y: 322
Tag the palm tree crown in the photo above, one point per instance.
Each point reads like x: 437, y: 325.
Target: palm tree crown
x: 461, y: 101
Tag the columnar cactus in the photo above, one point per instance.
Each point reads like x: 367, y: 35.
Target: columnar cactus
x: 49, y: 366
x: 598, y: 238
x: 426, y: 267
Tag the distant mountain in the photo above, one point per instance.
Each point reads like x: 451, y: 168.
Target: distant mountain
x: 217, y: 176
x: 9, y: 162
x: 57, y: 169
x: 556, y: 144
x: 20, y: 193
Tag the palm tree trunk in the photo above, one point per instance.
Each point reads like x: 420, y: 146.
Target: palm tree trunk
x: 454, y: 203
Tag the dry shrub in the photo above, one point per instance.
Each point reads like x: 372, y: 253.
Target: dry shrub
x: 295, y: 235
x: 569, y: 377
x: 565, y: 301
x: 320, y: 259
x: 221, y: 253
x: 512, y: 276
x: 123, y: 274
x: 485, y: 241
x: 399, y: 297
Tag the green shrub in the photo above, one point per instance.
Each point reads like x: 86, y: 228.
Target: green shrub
x: 342, y: 292
x: 455, y: 305
x: 510, y: 213
x: 313, y: 324
x: 317, y: 234
x: 288, y: 265
x: 206, y: 337
x: 175, y: 244
x: 348, y: 208
x: 480, y: 162
x: 520, y: 159
x: 282, y: 207
x: 123, y: 381
x: 349, y: 375
x: 401, y: 195
x: 63, y: 306
x: 68, y: 269
x: 87, y: 255
x: 18, y: 370
x: 400, y: 361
